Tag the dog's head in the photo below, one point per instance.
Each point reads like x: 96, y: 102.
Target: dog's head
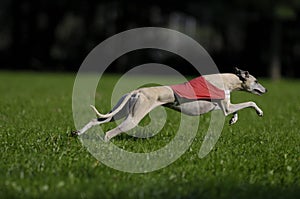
x: 250, y: 83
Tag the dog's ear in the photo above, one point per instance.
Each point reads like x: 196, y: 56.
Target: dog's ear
x: 241, y: 74
x: 237, y: 71
x: 246, y: 73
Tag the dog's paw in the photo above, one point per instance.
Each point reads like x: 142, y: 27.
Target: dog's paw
x: 74, y: 133
x: 233, y: 120
x: 106, y: 138
x: 259, y: 112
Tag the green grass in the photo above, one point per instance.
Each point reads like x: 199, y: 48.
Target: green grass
x: 255, y: 158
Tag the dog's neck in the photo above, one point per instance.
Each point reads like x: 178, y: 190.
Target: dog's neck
x: 232, y: 82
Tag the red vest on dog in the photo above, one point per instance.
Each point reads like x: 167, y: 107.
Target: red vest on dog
x: 197, y: 89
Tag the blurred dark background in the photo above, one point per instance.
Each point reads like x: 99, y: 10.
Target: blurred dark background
x: 262, y: 36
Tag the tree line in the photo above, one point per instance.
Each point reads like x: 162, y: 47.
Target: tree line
x: 262, y: 36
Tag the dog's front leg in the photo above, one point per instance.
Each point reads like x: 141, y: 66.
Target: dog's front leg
x: 232, y: 108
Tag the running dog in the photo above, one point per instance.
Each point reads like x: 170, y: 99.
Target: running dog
x: 186, y: 98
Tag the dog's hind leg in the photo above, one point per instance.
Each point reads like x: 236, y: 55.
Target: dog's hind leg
x: 122, y: 112
x: 92, y: 123
x: 126, y: 125
x: 138, y: 111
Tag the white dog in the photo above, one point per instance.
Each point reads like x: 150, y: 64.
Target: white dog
x: 196, y: 97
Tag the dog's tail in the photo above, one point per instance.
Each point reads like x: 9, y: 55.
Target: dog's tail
x: 119, y: 108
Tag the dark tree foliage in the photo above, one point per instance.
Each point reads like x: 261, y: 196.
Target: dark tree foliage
x: 261, y: 36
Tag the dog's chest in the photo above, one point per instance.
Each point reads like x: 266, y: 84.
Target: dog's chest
x: 227, y: 94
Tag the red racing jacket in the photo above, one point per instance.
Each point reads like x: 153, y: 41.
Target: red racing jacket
x: 197, y: 89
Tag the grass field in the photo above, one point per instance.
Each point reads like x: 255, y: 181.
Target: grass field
x: 255, y: 158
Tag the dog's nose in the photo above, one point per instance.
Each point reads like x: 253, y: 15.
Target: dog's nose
x: 266, y: 90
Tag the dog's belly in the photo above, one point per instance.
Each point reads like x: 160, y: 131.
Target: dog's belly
x: 194, y: 108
